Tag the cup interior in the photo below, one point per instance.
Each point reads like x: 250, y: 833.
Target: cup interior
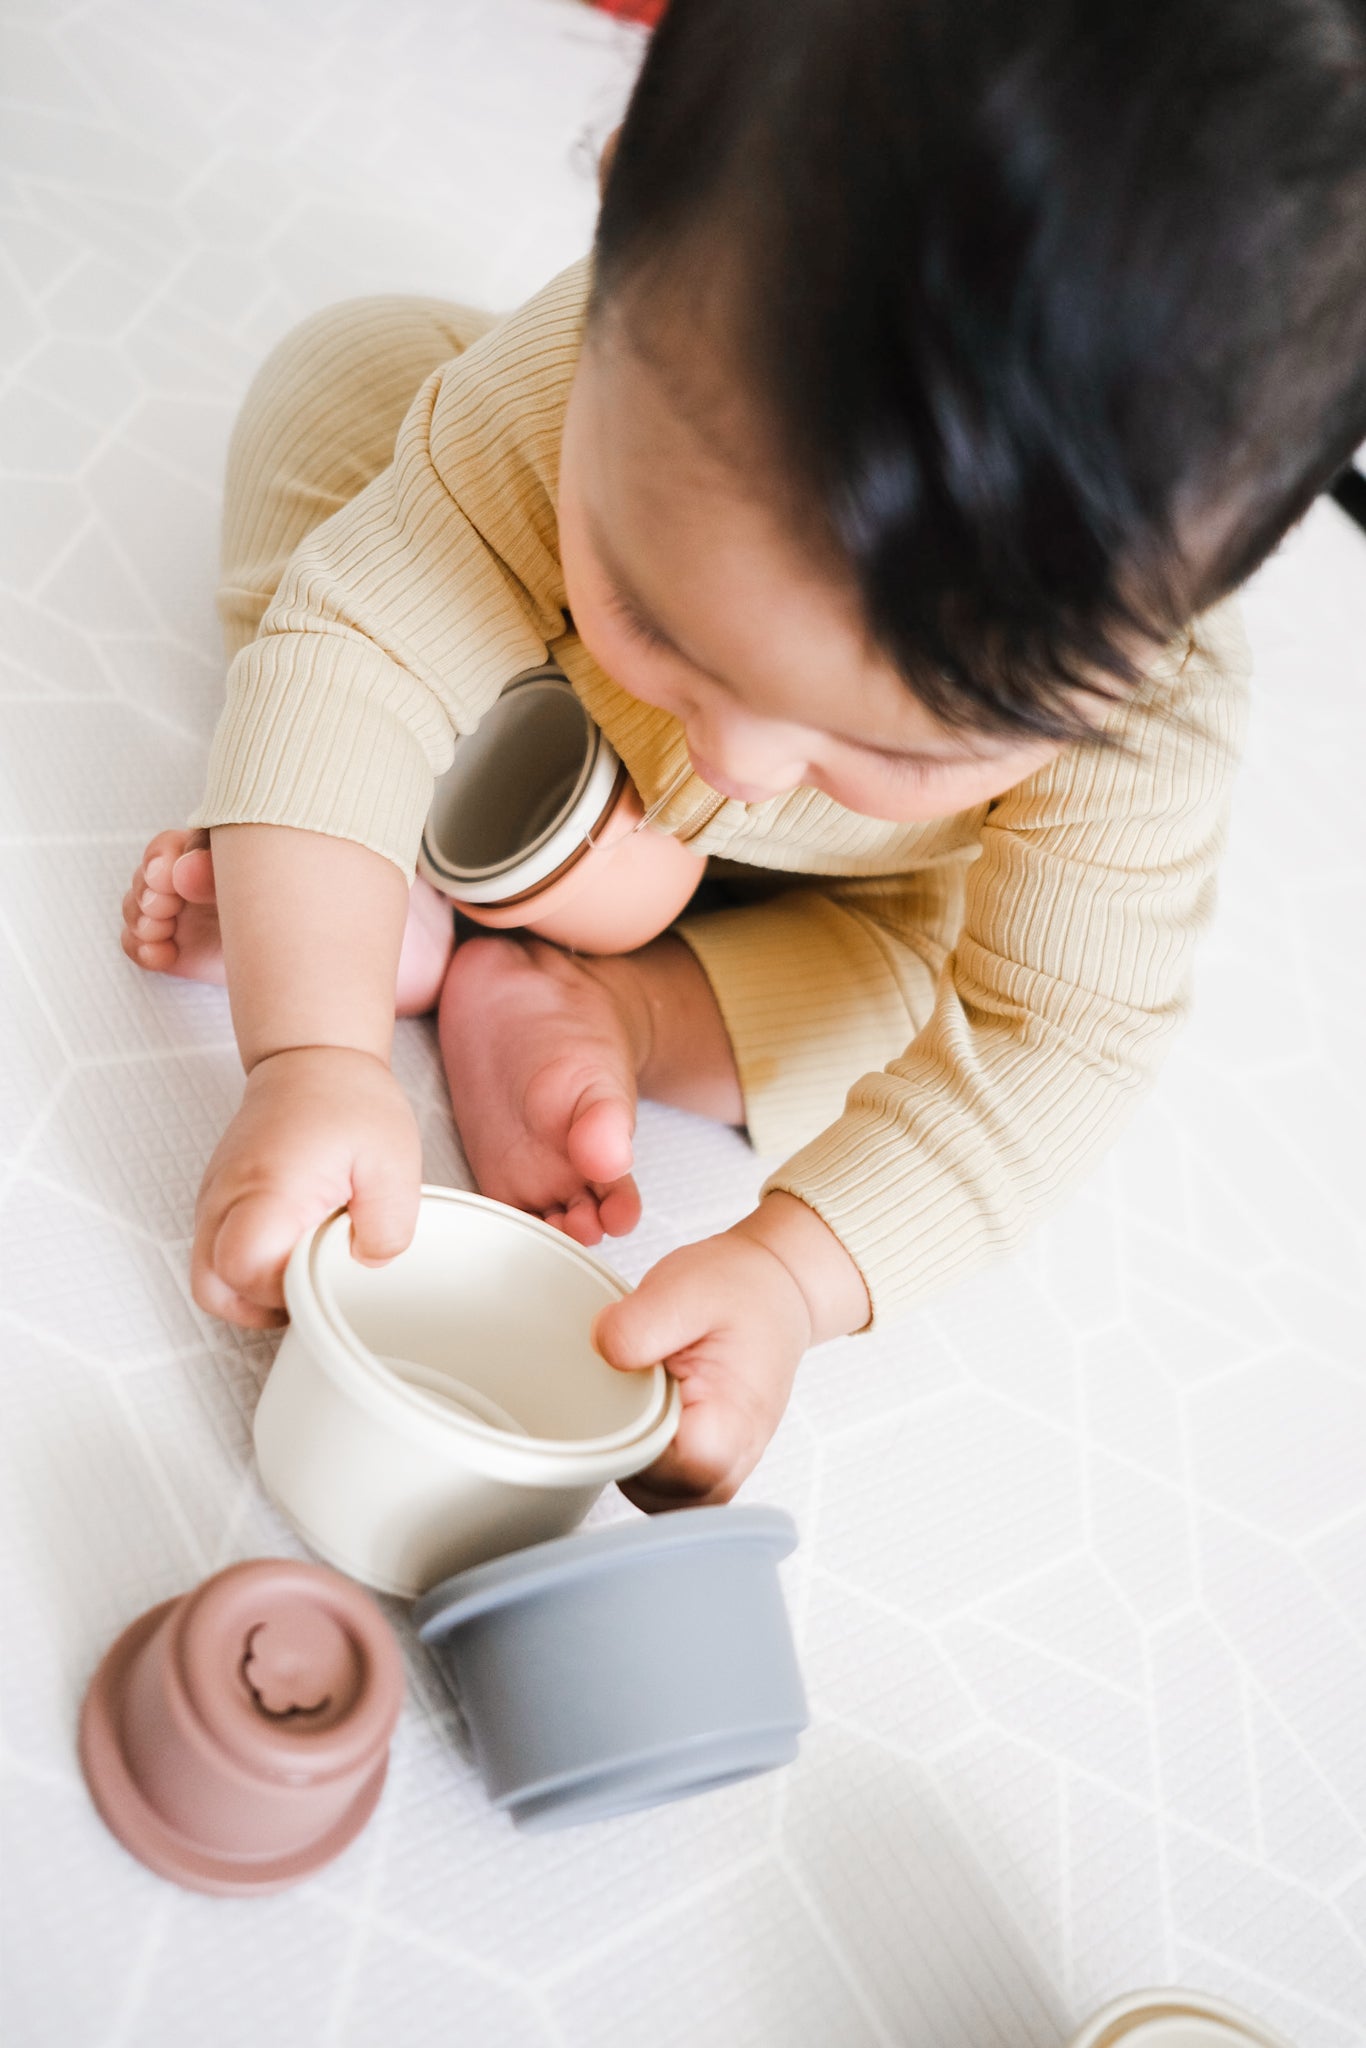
x: 456, y: 1394
x: 486, y: 1319
x: 514, y: 780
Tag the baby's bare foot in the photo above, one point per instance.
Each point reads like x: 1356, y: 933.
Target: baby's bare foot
x: 542, y: 1063
x: 428, y: 942
x: 170, y: 923
x: 170, y: 917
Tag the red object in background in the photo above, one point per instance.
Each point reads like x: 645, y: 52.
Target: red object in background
x: 647, y: 12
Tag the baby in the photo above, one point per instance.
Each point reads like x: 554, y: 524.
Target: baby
x: 934, y: 369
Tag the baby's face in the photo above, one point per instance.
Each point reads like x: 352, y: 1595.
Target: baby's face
x: 690, y: 595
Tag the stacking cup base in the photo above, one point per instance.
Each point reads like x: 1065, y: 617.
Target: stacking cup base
x: 355, y: 1568
x: 141, y: 1829
x: 679, y: 1770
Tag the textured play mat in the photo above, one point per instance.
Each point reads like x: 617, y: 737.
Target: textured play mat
x: 1081, y: 1590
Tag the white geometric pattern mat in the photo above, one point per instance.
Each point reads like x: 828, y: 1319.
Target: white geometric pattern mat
x: 1081, y: 1592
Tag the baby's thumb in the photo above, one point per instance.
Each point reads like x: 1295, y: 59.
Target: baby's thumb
x: 384, y: 1205
x: 245, y: 1250
x: 663, y: 1315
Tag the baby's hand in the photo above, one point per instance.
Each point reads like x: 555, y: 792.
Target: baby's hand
x: 319, y: 1129
x: 730, y: 1319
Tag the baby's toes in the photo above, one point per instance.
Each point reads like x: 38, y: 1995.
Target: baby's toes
x: 158, y: 956
x: 192, y: 875
x: 601, y: 1128
x: 143, y: 903
x: 619, y: 1207
x: 597, y: 1212
x: 159, y: 858
x: 141, y: 899
x: 150, y: 918
x: 581, y: 1220
x: 141, y: 929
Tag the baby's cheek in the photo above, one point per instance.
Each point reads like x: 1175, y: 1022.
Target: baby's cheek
x: 939, y: 795
x: 620, y: 658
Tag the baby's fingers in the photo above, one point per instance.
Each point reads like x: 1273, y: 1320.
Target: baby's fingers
x: 217, y: 1299
x: 385, y: 1195
x: 667, y: 1312
x: 238, y: 1263
x: 703, y: 1466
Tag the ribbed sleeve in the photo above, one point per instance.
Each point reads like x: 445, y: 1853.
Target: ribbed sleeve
x: 1072, y: 967
x: 1002, y: 980
x: 400, y: 619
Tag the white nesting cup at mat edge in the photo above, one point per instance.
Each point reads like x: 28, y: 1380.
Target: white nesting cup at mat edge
x: 1170, y: 2018
x: 427, y: 1415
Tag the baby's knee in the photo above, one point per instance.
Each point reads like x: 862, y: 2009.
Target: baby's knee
x: 371, y: 352
x: 425, y: 956
x: 318, y: 424
x: 631, y: 892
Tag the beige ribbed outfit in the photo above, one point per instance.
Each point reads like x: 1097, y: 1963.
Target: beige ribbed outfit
x: 949, y: 1022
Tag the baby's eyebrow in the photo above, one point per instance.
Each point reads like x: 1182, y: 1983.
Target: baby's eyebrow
x: 634, y: 603
x: 622, y: 584
x: 924, y: 759
x: 889, y: 750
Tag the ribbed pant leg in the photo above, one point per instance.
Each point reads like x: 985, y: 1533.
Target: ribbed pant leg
x: 821, y: 985
x: 318, y: 423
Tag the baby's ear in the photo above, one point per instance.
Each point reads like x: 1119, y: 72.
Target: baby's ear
x: 609, y: 150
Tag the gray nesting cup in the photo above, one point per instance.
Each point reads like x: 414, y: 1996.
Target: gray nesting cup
x: 624, y: 1667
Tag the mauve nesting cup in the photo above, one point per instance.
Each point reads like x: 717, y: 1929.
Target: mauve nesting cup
x: 237, y: 1738
x: 624, y: 1667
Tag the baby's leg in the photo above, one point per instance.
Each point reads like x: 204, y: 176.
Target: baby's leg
x: 318, y: 423
x: 544, y: 1048
x: 635, y: 890
x: 170, y: 923
x: 545, y: 1052
x: 764, y: 1015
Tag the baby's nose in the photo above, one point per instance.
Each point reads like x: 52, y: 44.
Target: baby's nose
x: 749, y: 763
x: 727, y: 785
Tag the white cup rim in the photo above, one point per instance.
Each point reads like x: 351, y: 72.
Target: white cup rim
x: 1146, y: 2019
x: 523, y: 1459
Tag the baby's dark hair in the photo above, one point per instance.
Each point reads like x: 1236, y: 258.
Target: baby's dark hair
x: 1054, y: 312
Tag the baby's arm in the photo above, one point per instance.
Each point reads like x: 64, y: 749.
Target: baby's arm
x: 393, y: 627
x: 732, y: 1316
x: 312, y: 927
x: 1070, y: 971
x: 1069, y: 976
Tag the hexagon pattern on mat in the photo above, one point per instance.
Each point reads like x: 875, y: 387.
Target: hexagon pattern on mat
x: 1082, y: 1585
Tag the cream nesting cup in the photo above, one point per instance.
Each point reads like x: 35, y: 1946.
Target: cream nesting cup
x: 426, y: 1415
